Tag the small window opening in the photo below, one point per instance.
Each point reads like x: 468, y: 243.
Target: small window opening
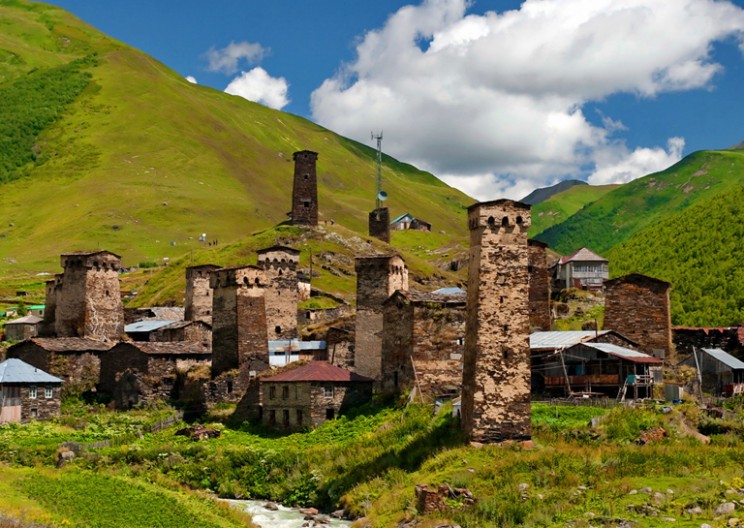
x: 505, y: 221
x: 278, y: 329
x: 330, y: 414
x: 491, y: 220
x: 229, y: 386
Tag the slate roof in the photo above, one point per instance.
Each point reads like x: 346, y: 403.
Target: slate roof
x: 28, y: 319
x: 16, y: 371
x: 725, y: 358
x: 169, y: 348
x: 583, y: 255
x: 624, y: 353
x: 148, y: 325
x: 320, y: 371
x: 68, y: 344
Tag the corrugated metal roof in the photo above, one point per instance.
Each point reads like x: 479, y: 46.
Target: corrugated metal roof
x: 450, y: 291
x: 279, y: 346
x: 622, y: 352
x: 725, y: 358
x: 401, y: 217
x: 147, y: 326
x: 561, y: 339
x: 28, y: 319
x: 317, y: 371
x: 16, y: 371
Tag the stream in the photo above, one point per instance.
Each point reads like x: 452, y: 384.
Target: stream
x: 283, y: 517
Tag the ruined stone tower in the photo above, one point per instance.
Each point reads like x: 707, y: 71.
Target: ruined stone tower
x: 378, y: 277
x: 239, y: 337
x: 496, y: 369
x: 637, y: 306
x: 280, y: 265
x: 379, y: 224
x: 539, y: 287
x: 305, y: 189
x: 198, y: 302
x: 53, y: 287
x: 88, y: 298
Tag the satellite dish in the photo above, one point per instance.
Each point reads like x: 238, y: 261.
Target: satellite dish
x: 382, y: 196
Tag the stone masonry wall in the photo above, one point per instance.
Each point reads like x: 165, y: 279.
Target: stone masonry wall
x: 40, y: 407
x: 198, y: 301
x: 282, y: 294
x: 397, y: 345
x: 496, y: 370
x: 379, y: 224
x: 539, y: 287
x: 439, y: 346
x: 305, y: 189
x: 53, y: 287
x: 637, y: 307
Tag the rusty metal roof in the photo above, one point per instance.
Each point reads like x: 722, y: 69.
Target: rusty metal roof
x: 318, y: 371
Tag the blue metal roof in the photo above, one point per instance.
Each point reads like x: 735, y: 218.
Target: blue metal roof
x: 17, y: 371
x: 449, y: 291
x: 146, y: 326
x: 401, y: 217
x: 725, y: 358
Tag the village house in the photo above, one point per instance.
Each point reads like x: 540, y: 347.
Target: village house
x: 720, y: 372
x: 282, y: 352
x: 27, y: 393
x: 135, y: 373
x: 728, y: 338
x: 408, y: 221
x: 423, y: 341
x: 583, y: 269
x: 23, y: 328
x: 311, y: 394
x: 164, y: 331
x: 74, y: 359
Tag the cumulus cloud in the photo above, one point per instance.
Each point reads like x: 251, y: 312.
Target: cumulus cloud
x: 258, y: 86
x: 494, y: 103
x: 191, y: 79
x: 228, y: 59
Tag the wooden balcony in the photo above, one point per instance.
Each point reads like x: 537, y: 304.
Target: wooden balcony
x: 586, y: 380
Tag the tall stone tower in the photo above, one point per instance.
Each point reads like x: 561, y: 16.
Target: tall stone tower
x: 88, y: 297
x: 239, y: 337
x: 496, y: 369
x: 539, y: 286
x: 379, y: 224
x: 198, y: 303
x: 280, y: 265
x: 378, y: 277
x: 305, y: 189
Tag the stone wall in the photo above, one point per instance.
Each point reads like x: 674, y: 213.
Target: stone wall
x: 377, y: 278
x: 193, y: 332
x: 379, y: 224
x: 198, y: 301
x: 239, y: 334
x: 539, y: 287
x: 729, y: 339
x: 305, y: 189
x: 282, y: 294
x: 40, y: 407
x: 637, y: 306
x: 496, y: 370
x: 53, y: 288
x: 340, y: 348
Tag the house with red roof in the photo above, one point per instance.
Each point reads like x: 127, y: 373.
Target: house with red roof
x: 583, y: 269
x: 310, y: 394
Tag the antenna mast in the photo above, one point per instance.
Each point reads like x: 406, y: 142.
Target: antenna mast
x: 378, y: 194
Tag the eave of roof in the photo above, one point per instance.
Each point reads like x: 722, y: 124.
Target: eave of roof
x: 320, y: 371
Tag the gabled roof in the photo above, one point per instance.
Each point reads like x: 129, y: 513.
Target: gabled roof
x: 623, y: 353
x: 562, y: 339
x: 29, y: 319
x: 320, y: 371
x: 67, y: 344
x: 16, y: 371
x: 401, y: 217
x: 146, y: 326
x: 583, y: 255
x: 168, y: 348
x: 725, y: 358
x: 89, y: 253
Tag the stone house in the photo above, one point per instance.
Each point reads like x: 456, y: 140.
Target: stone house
x: 583, y: 269
x: 637, y: 306
x: 24, y: 328
x: 165, y: 331
x: 311, y: 394
x: 282, y: 352
x: 423, y: 342
x: 728, y: 338
x: 76, y: 360
x: 408, y: 221
x: 600, y: 369
x: 27, y: 393
x: 721, y: 373
x: 134, y: 373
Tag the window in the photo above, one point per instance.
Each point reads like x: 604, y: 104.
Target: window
x: 272, y: 417
x: 48, y: 392
x: 299, y: 417
x: 229, y: 386
x: 34, y: 413
x: 32, y: 392
x: 285, y: 392
x: 278, y: 329
x: 272, y: 393
x: 285, y: 415
x: 330, y: 414
x: 306, y: 204
x: 328, y: 391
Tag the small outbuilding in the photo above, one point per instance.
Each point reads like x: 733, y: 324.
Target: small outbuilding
x: 27, y: 393
x: 721, y: 373
x: 24, y: 328
x: 408, y: 221
x: 311, y: 394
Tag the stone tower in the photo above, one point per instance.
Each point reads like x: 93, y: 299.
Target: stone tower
x: 88, y: 299
x: 379, y: 224
x: 539, y: 286
x: 305, y: 189
x: 637, y: 306
x: 280, y: 265
x: 198, y: 303
x: 496, y: 369
x: 52, y: 289
x: 239, y: 338
x: 378, y: 277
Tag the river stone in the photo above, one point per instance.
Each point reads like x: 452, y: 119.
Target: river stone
x: 271, y: 506
x: 725, y: 508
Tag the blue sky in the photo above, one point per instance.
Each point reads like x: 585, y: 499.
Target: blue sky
x: 495, y: 97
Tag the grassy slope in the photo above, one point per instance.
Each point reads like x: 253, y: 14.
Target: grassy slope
x: 561, y: 206
x: 144, y: 159
x: 642, y: 203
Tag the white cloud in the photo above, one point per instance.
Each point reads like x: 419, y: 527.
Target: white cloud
x: 258, y: 86
x: 228, y: 59
x: 495, y: 101
x: 619, y: 165
x: 191, y: 79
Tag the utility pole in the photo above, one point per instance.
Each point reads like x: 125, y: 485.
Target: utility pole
x: 378, y: 194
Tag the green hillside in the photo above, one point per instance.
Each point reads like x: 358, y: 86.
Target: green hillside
x: 700, y: 251
x: 562, y: 205
x: 643, y: 203
x: 139, y: 161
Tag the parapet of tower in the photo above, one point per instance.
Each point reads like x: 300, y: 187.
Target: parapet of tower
x: 379, y: 224
x: 239, y: 337
x: 496, y: 369
x: 378, y: 277
x: 305, y: 189
x: 198, y: 302
x: 280, y: 264
x: 86, y: 299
